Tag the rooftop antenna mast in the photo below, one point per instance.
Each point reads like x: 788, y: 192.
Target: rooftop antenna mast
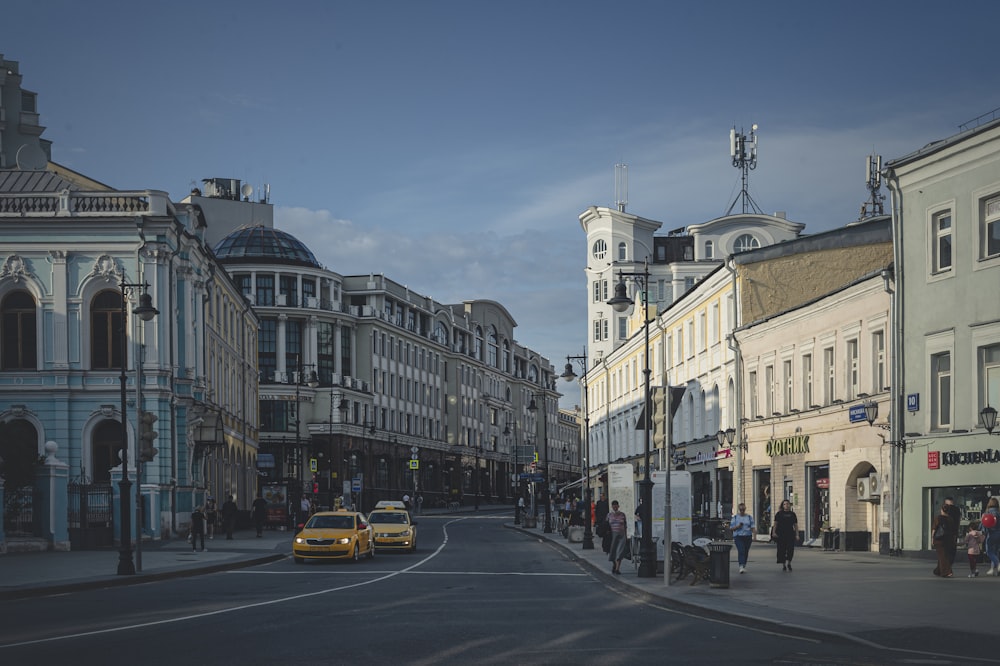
x: 873, y: 174
x: 743, y: 150
x: 621, y: 187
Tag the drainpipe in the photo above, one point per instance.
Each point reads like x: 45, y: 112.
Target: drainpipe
x: 734, y: 345
x: 897, y: 382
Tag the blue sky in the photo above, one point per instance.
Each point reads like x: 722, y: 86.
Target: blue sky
x: 474, y: 133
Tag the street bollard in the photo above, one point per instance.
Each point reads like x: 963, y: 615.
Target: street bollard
x: 719, y: 564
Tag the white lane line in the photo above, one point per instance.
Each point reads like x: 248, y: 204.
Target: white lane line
x: 223, y: 611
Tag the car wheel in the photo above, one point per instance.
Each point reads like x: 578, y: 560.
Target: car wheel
x: 299, y: 560
x: 357, y: 553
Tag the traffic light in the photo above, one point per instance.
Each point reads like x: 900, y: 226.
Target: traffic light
x: 146, y: 436
x: 657, y: 409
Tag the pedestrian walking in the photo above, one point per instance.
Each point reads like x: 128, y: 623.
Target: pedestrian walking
x: 941, y: 528
x: 991, y: 530
x: 974, y: 547
x: 955, y: 513
x: 406, y: 502
x: 304, y: 506
x: 211, y: 516
x: 229, y: 516
x: 785, y: 530
x: 259, y: 511
x: 618, y: 528
x: 601, y: 523
x: 197, y: 528
x: 741, y: 525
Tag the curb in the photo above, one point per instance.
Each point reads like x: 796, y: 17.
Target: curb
x: 116, y: 581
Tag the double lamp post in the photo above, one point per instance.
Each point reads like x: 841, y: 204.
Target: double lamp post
x: 569, y: 375
x: 145, y: 311
x: 621, y: 302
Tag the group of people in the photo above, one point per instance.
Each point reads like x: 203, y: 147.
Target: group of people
x: 204, y: 519
x: 612, y: 528
x: 980, y: 536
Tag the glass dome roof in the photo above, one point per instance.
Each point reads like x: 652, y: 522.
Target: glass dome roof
x: 258, y: 243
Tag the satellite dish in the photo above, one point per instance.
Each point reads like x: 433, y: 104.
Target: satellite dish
x: 31, y: 158
x: 247, y: 191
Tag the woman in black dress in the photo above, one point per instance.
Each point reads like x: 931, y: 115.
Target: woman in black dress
x: 785, y: 530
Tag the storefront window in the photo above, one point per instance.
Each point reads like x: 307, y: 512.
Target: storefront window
x: 818, y: 480
x: 762, y: 499
x: 970, y: 499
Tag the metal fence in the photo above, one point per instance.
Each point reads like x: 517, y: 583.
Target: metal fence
x: 91, y: 515
x: 19, y: 512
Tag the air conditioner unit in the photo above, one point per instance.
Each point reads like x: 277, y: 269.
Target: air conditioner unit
x: 874, y: 485
x: 864, y: 489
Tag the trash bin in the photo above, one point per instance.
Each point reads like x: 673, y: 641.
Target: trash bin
x: 529, y: 521
x: 718, y: 554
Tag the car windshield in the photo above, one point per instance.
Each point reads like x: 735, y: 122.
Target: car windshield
x: 392, y: 518
x: 331, y: 523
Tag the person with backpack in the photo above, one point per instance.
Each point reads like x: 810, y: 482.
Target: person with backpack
x: 991, y: 528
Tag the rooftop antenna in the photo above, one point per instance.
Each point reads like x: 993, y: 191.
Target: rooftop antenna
x: 873, y: 174
x: 746, y: 161
x: 621, y: 187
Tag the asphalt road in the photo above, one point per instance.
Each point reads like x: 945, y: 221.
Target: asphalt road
x: 473, y: 593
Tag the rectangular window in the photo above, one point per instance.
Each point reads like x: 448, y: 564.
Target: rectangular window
x: 622, y: 328
x: 941, y: 391
x: 878, y: 361
x: 752, y: 381
x: 829, y: 372
x: 288, y: 286
x: 769, y: 390
x: 989, y: 374
x: 942, y: 242
x: 852, y: 369
x: 267, y: 346
x: 807, y: 381
x: 991, y: 230
x: 597, y: 330
x: 265, y: 290
x: 786, y: 368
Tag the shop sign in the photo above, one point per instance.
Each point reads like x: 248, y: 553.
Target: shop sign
x: 724, y: 453
x: 933, y: 460
x: 823, y: 483
x: 970, y: 457
x: 788, y: 446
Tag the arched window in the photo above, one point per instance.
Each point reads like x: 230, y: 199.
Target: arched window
x: 600, y: 249
x: 494, y: 350
x: 106, y: 330
x: 19, y: 450
x: 622, y: 252
x: 745, y: 242
x: 709, y: 250
x: 478, y: 351
x: 17, y: 333
x: 506, y: 356
x: 105, y: 450
x: 533, y: 374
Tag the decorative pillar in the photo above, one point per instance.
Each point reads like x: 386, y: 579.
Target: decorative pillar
x: 51, y: 494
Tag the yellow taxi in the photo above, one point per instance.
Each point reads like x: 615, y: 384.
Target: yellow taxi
x: 392, y: 526
x: 331, y: 535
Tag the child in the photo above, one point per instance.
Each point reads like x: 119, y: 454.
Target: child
x: 974, y: 542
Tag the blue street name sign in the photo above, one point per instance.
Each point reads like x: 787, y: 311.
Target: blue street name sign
x: 857, y: 413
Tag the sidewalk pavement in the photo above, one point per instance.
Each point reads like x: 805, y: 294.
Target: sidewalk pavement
x: 857, y: 596
x: 862, y: 597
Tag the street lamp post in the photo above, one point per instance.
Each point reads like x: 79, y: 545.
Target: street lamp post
x: 569, y: 375
x: 516, y: 475
x: 621, y: 302
x: 532, y: 407
x: 479, y: 447
x: 146, y: 312
x: 313, y: 382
